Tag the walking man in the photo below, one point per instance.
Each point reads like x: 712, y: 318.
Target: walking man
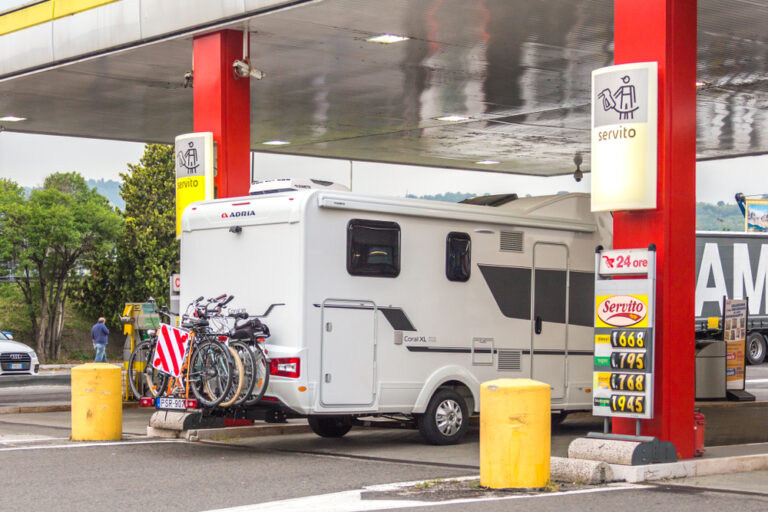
x: 99, y: 337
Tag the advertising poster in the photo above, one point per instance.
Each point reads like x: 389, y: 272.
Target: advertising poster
x: 735, y: 334
x: 756, y: 215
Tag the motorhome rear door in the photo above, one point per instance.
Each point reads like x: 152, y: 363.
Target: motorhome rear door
x: 348, y: 352
x: 549, y: 329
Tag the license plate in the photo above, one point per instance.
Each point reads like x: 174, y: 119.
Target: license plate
x: 17, y: 366
x: 170, y: 403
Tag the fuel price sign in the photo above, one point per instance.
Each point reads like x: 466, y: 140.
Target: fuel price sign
x: 624, y: 333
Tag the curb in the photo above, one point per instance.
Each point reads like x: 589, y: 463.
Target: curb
x: 227, y: 433
x: 690, y: 468
x: 592, y: 472
x: 23, y: 409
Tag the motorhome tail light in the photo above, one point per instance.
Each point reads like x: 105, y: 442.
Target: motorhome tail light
x: 269, y: 399
x: 190, y: 403
x: 147, y: 401
x: 285, y: 367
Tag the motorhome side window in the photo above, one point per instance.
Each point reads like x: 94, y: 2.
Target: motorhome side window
x: 458, y: 256
x: 373, y: 248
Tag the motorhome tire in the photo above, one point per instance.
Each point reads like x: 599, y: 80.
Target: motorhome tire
x: 756, y: 348
x: 445, y: 419
x: 330, y: 426
x: 558, y: 417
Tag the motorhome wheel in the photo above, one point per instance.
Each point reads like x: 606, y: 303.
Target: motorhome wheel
x: 558, y: 417
x: 446, y: 417
x: 330, y: 426
x: 756, y: 348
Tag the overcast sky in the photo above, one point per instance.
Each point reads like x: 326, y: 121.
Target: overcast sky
x: 28, y: 159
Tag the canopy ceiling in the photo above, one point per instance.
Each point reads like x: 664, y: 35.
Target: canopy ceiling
x: 518, y: 70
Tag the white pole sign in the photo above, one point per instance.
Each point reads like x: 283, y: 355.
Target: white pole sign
x: 624, y: 137
x: 194, y: 171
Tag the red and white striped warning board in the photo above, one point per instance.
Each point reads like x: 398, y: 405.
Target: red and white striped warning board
x: 171, y: 348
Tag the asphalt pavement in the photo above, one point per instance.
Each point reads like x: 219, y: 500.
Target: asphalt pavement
x: 301, y: 471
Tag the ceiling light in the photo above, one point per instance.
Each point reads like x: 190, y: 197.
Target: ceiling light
x: 276, y: 143
x: 487, y: 162
x: 453, y: 118
x: 12, y: 119
x: 387, y: 39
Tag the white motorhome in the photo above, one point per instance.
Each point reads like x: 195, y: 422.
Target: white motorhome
x: 404, y: 306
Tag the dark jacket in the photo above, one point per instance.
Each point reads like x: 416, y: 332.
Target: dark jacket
x: 99, y: 334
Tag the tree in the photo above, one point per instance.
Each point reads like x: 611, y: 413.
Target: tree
x: 147, y: 251
x: 46, y: 239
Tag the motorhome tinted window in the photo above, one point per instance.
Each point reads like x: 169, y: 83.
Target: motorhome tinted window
x: 458, y: 249
x: 373, y: 248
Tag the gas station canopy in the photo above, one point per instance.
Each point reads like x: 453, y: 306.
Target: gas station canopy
x: 502, y: 82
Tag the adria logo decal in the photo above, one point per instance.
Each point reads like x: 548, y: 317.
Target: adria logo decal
x: 622, y: 310
x: 246, y: 213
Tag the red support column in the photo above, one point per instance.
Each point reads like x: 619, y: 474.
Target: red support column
x: 665, y: 31
x: 222, y: 105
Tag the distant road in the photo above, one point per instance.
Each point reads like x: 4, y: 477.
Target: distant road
x: 53, y: 378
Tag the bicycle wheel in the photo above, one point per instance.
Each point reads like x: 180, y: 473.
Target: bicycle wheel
x: 210, y: 373
x: 260, y: 377
x: 143, y: 378
x: 249, y: 365
x: 238, y: 379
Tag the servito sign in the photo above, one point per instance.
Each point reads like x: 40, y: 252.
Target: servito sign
x: 621, y: 310
x: 194, y: 171
x: 624, y: 137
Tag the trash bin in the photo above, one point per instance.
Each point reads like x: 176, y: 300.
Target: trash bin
x: 710, y: 369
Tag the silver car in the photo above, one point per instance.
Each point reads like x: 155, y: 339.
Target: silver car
x: 17, y: 358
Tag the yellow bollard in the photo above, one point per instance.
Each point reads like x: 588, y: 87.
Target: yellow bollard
x: 97, y: 406
x: 514, y: 433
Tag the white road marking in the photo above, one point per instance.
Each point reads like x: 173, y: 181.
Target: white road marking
x: 88, y: 445
x: 26, y: 438
x: 351, y: 501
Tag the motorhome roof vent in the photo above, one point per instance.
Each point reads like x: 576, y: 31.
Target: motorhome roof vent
x: 510, y: 360
x: 292, y: 185
x: 511, y: 241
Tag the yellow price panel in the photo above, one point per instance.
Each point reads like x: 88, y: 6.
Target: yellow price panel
x: 628, y: 403
x: 628, y: 361
x: 628, y: 381
x: 630, y: 338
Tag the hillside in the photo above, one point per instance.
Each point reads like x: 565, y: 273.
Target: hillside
x: 109, y: 189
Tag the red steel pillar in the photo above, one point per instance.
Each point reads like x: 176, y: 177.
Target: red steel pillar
x: 222, y: 105
x: 665, y: 31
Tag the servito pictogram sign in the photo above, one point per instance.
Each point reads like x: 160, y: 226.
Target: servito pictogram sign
x: 624, y: 333
x: 194, y: 171
x: 624, y: 137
